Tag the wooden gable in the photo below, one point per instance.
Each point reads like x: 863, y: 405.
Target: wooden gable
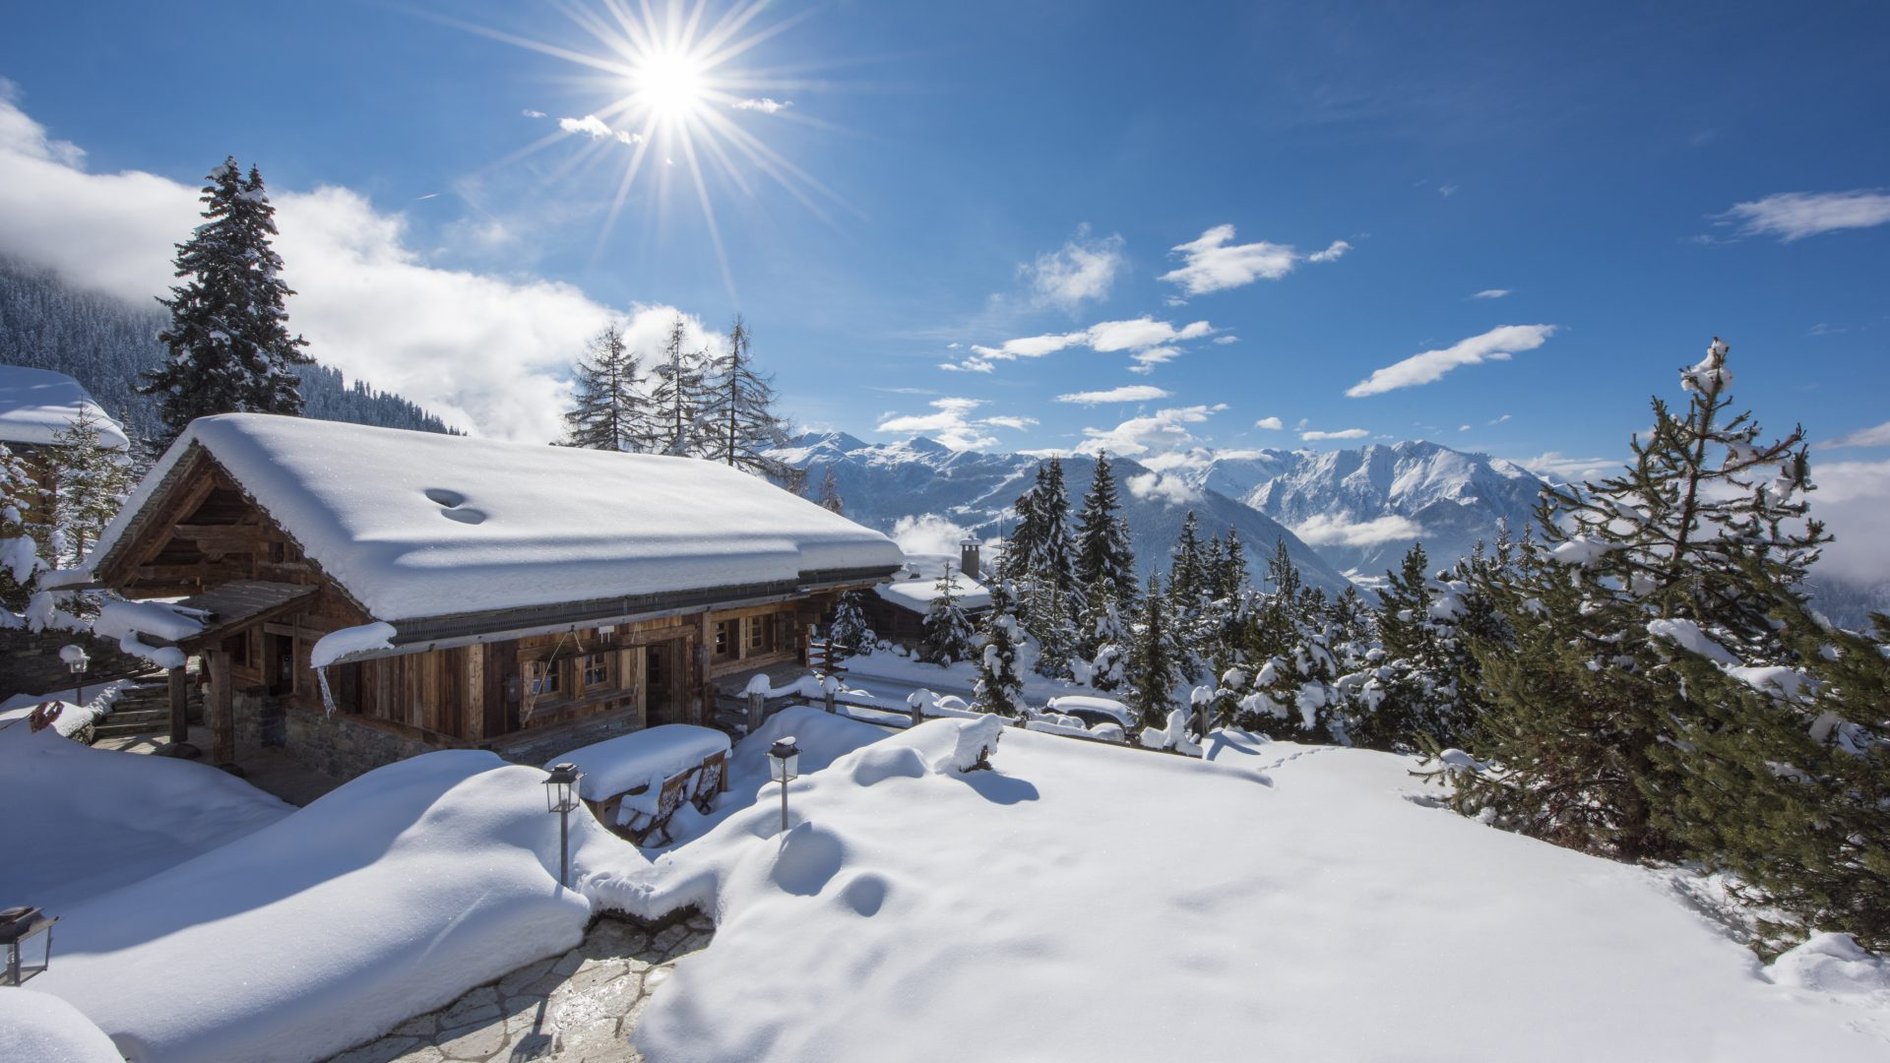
x: 202, y: 531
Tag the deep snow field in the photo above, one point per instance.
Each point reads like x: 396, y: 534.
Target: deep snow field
x: 1077, y: 901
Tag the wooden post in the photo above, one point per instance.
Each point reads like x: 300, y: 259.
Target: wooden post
x: 222, y: 708
x: 180, y: 705
x: 705, y: 646
x: 473, y: 695
x: 757, y: 710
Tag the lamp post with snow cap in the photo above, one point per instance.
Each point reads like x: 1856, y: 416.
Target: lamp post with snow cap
x: 784, y: 766
x: 561, y: 796
x: 77, y: 661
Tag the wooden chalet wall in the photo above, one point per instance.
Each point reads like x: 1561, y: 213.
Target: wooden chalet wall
x: 203, y: 534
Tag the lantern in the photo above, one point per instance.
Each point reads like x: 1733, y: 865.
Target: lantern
x: 27, y: 935
x: 561, y: 797
x: 784, y: 766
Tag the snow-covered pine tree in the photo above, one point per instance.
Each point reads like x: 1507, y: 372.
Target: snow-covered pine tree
x: 1054, y: 561
x: 1102, y: 642
x: 678, y: 398
x: 90, y: 480
x: 999, y: 689
x: 1102, y: 538
x: 1152, y: 670
x: 850, y: 633
x: 946, y: 633
x: 20, y: 560
x: 738, y: 414
x: 611, y: 413
x: 1702, y: 537
x: 229, y: 339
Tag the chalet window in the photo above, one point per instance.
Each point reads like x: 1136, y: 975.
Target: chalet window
x: 541, y: 678
x: 593, y: 671
x: 724, y: 639
x: 760, y: 631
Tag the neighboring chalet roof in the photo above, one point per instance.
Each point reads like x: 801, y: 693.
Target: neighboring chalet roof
x: 37, y: 404
x: 414, y: 525
x: 915, y: 585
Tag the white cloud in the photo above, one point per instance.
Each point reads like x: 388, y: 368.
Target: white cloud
x: 1495, y: 345
x: 1326, y: 530
x: 1499, y: 420
x: 764, y: 104
x: 1555, y: 465
x: 1080, y: 271
x: 1162, y: 487
x: 1126, y: 393
x: 952, y: 424
x: 1446, y: 190
x: 1227, y: 339
x: 1316, y: 436
x: 1463, y: 428
x: 1876, y: 436
x: 594, y: 127
x: 1796, y: 215
x: 1211, y: 263
x: 1149, y: 342
x: 529, y: 113
x: 489, y: 353
x: 1271, y: 424
x: 1491, y: 293
x: 928, y: 533
x: 1161, y: 431
x: 1853, y: 499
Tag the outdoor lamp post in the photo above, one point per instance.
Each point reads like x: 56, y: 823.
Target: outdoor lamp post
x: 76, y: 660
x: 784, y: 766
x: 561, y: 797
x: 27, y: 935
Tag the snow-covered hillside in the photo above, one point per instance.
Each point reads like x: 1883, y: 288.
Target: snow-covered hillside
x: 882, y: 483
x: 1085, y: 902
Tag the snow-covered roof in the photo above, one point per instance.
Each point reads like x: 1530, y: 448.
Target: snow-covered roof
x: 914, y: 586
x: 37, y: 404
x: 414, y: 524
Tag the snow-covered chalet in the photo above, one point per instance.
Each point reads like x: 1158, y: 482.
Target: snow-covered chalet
x: 462, y: 592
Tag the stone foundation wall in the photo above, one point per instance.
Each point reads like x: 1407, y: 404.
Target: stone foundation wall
x: 341, y: 746
x: 30, y: 664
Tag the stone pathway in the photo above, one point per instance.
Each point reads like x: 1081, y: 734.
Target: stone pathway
x: 576, y: 1008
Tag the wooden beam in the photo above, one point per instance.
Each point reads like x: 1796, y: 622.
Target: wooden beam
x: 180, y: 705
x: 222, y: 708
x: 473, y: 696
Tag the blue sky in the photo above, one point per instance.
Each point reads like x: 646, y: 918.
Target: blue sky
x: 982, y: 173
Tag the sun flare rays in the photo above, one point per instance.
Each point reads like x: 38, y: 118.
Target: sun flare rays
x: 674, y: 95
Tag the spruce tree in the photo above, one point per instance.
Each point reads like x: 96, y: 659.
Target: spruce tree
x: 850, y: 633
x: 610, y: 413
x: 738, y: 413
x: 1102, y: 538
x: 90, y: 481
x: 999, y: 688
x: 1102, y: 641
x: 229, y: 339
x: 1055, y: 555
x: 946, y: 633
x: 678, y: 398
x: 1152, y: 668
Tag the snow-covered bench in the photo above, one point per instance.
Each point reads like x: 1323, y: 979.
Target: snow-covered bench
x: 635, y: 782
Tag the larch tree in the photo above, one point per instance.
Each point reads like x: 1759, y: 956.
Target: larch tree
x: 611, y: 413
x: 229, y: 341
x: 830, y: 493
x: 679, y: 397
x: 738, y: 415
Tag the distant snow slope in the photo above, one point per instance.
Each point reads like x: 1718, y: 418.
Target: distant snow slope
x: 1085, y: 902
x: 879, y: 484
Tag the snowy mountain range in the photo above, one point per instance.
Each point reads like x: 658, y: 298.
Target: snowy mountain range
x: 1363, y: 508
x: 1342, y: 512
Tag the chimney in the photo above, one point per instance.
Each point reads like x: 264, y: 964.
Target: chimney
x: 968, y: 557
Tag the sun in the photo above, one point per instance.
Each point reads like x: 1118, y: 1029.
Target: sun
x: 678, y: 96
x: 669, y: 85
